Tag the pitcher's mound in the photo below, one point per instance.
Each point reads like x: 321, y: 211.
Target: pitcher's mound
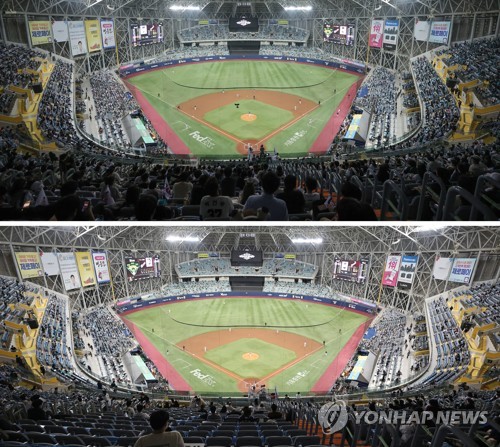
x: 250, y: 356
x: 248, y: 117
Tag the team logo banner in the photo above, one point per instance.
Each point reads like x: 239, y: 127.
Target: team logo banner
x: 376, y: 33
x: 77, y: 38
x: 442, y: 267
x: 108, y: 34
x: 391, y: 34
x: 40, y: 32
x: 93, y: 34
x: 390, y: 276
x: 69, y: 271
x: 60, y: 31
x: 85, y: 268
x: 29, y: 264
x: 49, y: 263
x: 440, y: 32
x: 462, y: 269
x: 407, y: 271
x: 101, y: 267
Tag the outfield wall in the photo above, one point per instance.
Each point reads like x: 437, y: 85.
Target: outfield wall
x: 347, y: 65
x: 128, y: 306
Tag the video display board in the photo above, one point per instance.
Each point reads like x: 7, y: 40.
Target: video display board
x: 352, y: 270
x: 338, y: 33
x: 146, y: 33
x: 243, y: 23
x: 142, y: 268
x: 246, y: 257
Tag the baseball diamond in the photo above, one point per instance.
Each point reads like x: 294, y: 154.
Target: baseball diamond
x: 246, y: 103
x: 264, y: 341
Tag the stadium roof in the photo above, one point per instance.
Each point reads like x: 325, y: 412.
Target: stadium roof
x: 226, y: 8
x: 268, y: 238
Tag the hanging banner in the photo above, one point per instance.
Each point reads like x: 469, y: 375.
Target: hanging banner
x: 407, y: 271
x: 462, y: 269
x: 49, y: 263
x: 442, y: 267
x: 390, y: 277
x: 421, y: 30
x: 101, y: 267
x: 93, y: 34
x: 391, y: 34
x: 440, y: 32
x: 60, y: 31
x: 77, y: 38
x: 376, y: 34
x: 40, y: 32
x: 108, y: 34
x: 29, y: 264
x: 69, y: 271
x: 85, y: 268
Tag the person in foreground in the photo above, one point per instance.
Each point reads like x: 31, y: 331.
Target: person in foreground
x: 162, y: 436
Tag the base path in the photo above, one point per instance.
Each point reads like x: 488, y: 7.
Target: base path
x: 196, y: 346
x: 196, y: 108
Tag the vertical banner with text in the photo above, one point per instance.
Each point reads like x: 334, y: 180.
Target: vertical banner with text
x: 390, y: 276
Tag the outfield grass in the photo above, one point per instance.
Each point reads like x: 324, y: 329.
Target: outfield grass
x: 271, y: 357
x: 174, y: 323
x: 228, y: 118
x: 182, y: 83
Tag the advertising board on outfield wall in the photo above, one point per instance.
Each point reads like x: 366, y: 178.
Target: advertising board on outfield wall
x: 343, y: 64
x: 355, y: 305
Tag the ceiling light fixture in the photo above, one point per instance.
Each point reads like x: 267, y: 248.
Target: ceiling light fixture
x: 298, y: 8
x: 428, y: 227
x: 301, y: 240
x: 184, y: 8
x: 175, y: 238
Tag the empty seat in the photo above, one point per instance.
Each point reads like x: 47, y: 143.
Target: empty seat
x: 194, y: 441
x: 295, y: 432
x: 98, y: 441
x: 224, y: 431
x: 273, y: 441
x: 127, y: 442
x: 45, y: 422
x: 55, y: 429
x: 33, y: 428
x: 77, y: 430
x: 68, y: 439
x: 122, y: 433
x: 16, y: 436
x: 305, y: 441
x: 242, y: 441
x: 40, y: 438
x: 245, y: 432
x: 266, y: 433
x: 100, y: 432
x: 219, y: 441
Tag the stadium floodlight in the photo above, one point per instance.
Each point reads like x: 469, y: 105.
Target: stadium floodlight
x: 175, y: 238
x: 302, y: 240
x: 298, y: 8
x: 184, y: 8
x: 428, y: 227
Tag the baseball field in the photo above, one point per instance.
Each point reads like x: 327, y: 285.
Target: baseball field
x: 226, y: 345
x: 218, y: 109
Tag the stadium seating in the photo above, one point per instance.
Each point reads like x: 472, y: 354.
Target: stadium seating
x: 222, y: 267
x: 221, y: 33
